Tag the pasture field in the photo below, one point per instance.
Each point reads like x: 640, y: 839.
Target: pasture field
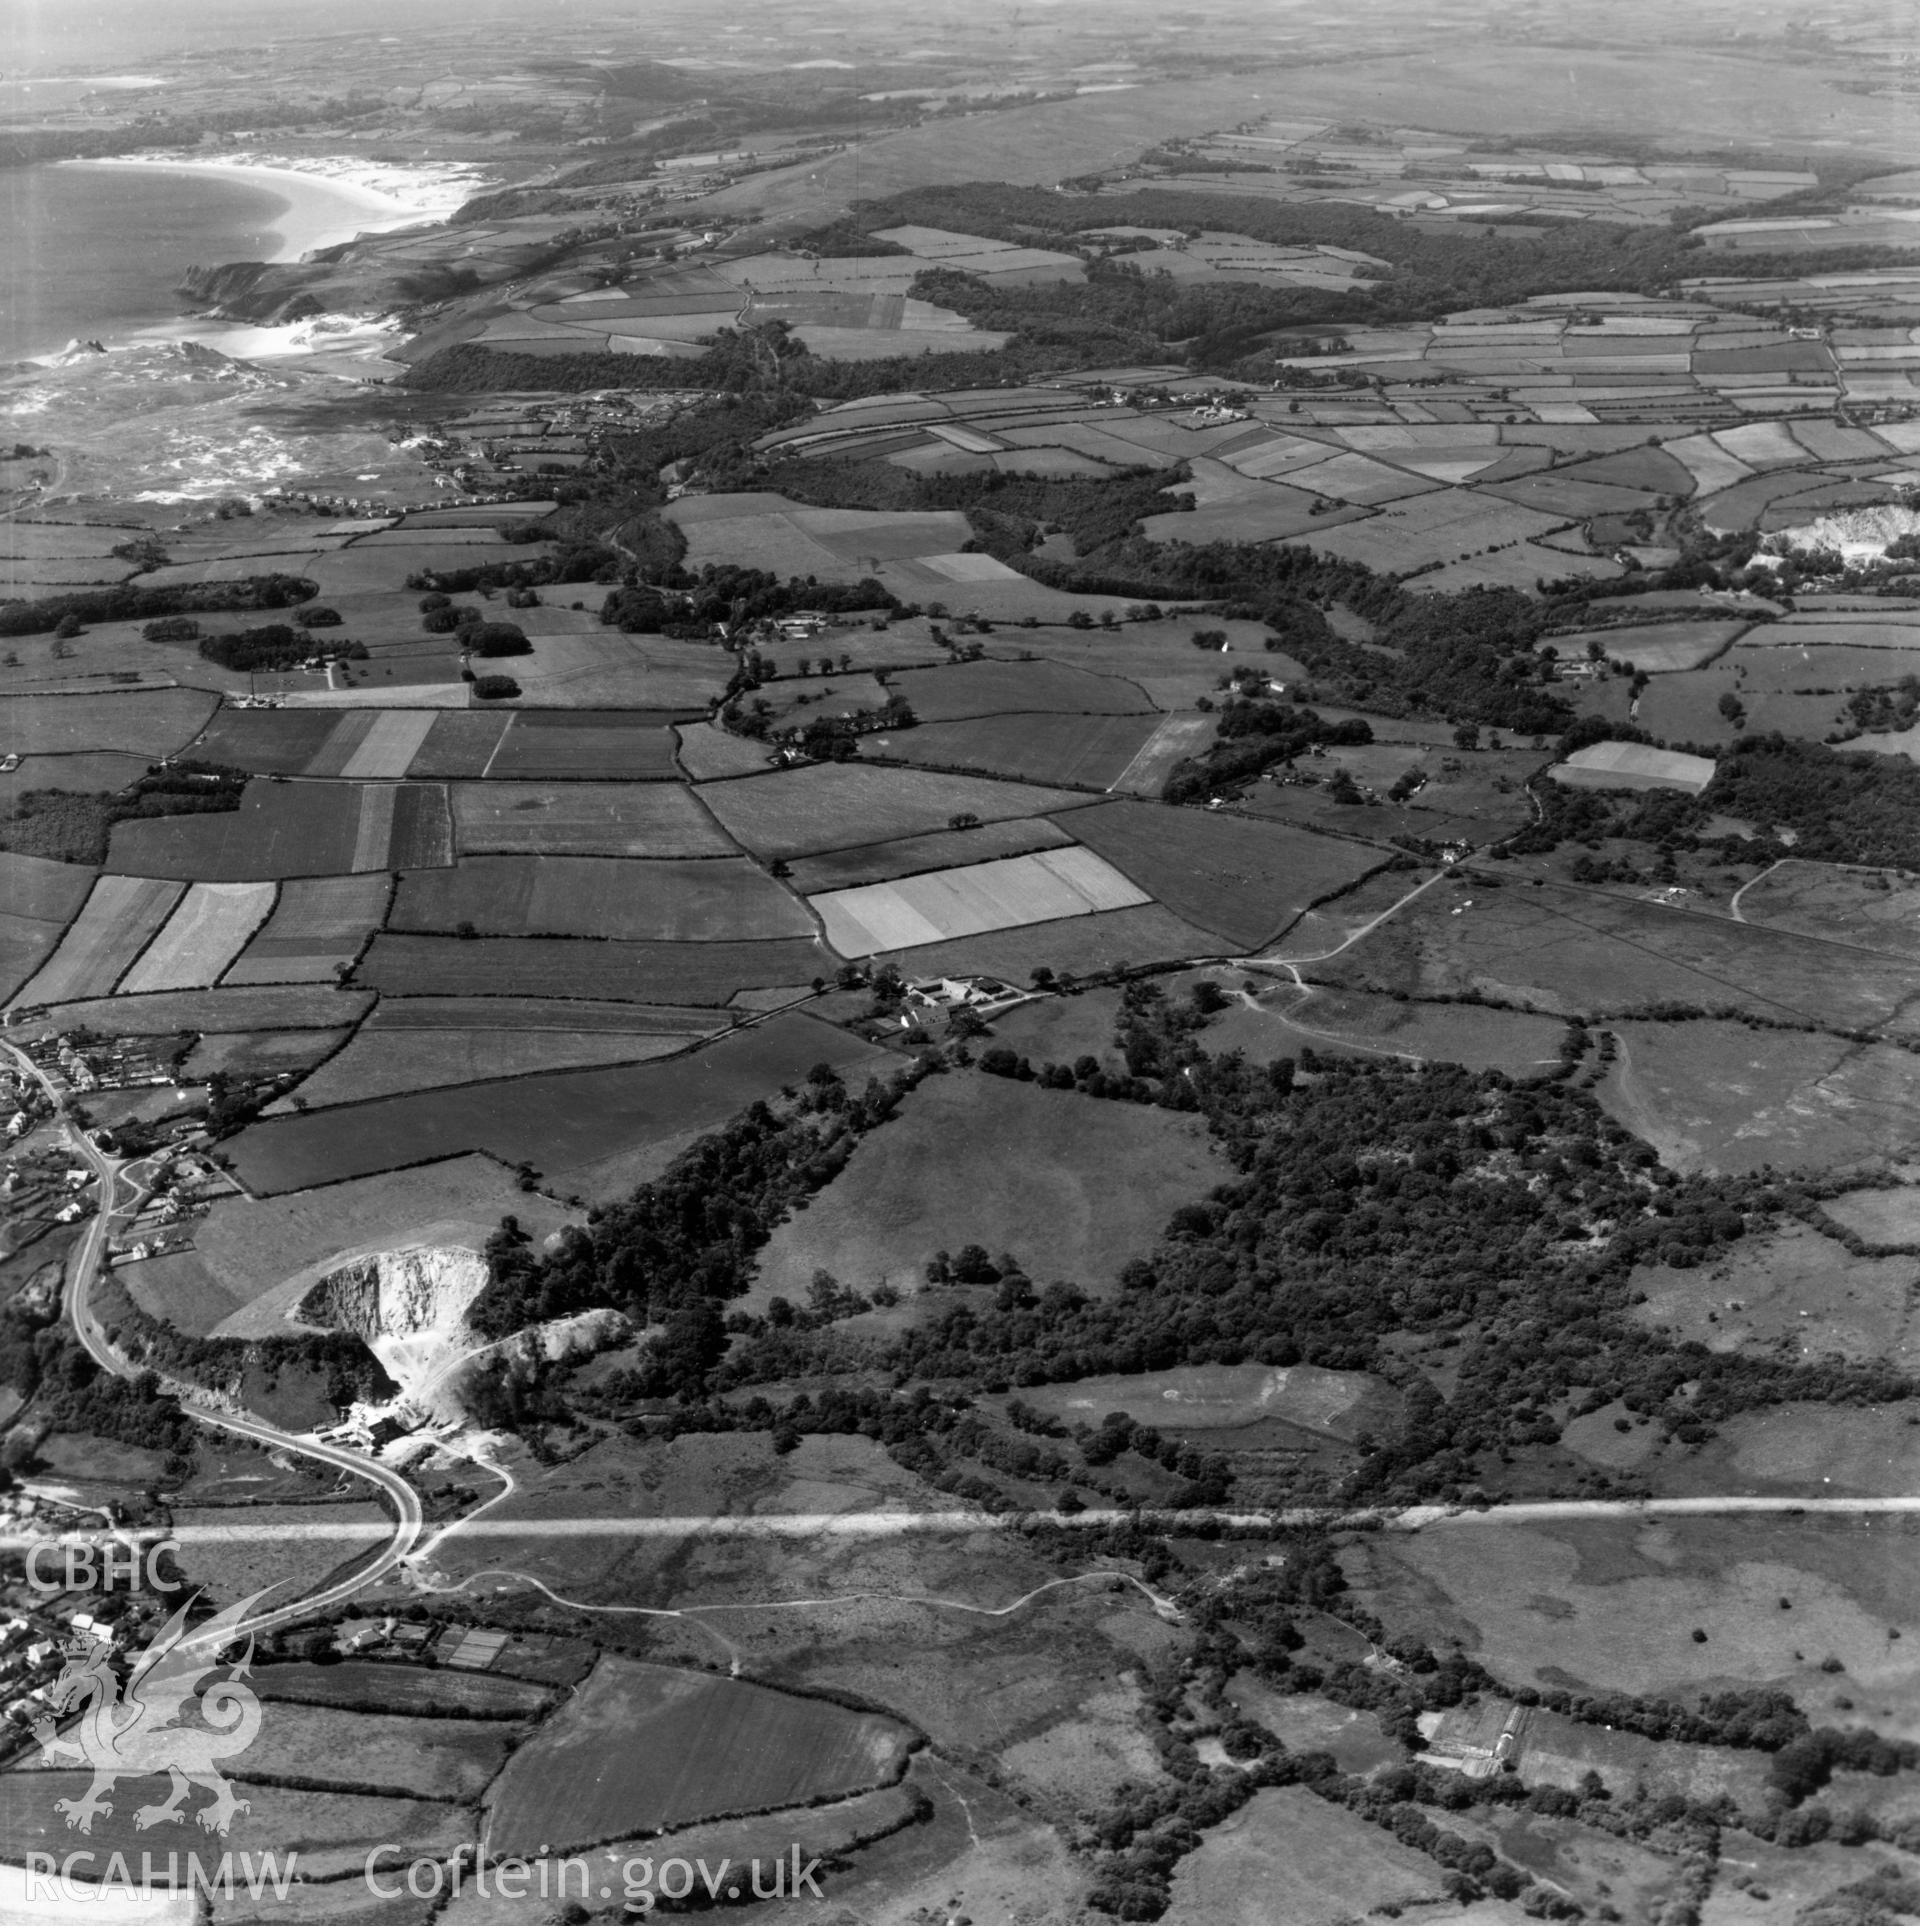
x: 1571, y: 951
x: 1657, y: 647
x: 1305, y: 1722
x: 361, y: 1685
x: 427, y: 1013
x: 1558, y: 1751
x: 584, y: 819
x: 270, y: 742
x: 38, y: 899
x: 396, y: 1060
x: 120, y: 917
x: 398, y: 965
x: 585, y: 745
x: 1592, y: 1867
x: 96, y: 775
x: 1246, y: 880
x: 1611, y: 1604
x: 426, y: 1758
x: 708, y: 752
x: 1228, y: 1397
x: 691, y: 1746
x: 329, y: 1830
x: 1289, y: 1859
x: 1877, y: 908
x: 626, y: 899
x: 837, y: 805
x: 202, y: 936
x: 558, y: 1122
x: 993, y: 688
x: 222, y: 1011
x: 1072, y: 1185
x: 1074, y: 946
x: 1438, y: 527
x: 1885, y: 1219
x: 262, y: 1053
x: 1720, y: 1097
x: 460, y: 743
x: 319, y: 923
x: 912, y: 855
x: 1791, y: 1288
x: 1286, y: 1018
x: 603, y: 668
x: 140, y: 722
x: 942, y: 904
x: 1090, y: 751
x: 294, y: 829
x: 178, y: 1289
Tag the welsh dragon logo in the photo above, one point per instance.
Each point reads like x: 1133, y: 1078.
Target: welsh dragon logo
x: 141, y: 1729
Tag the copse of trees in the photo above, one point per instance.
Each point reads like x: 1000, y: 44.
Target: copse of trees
x: 124, y: 604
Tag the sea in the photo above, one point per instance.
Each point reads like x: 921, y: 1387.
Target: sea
x: 95, y: 253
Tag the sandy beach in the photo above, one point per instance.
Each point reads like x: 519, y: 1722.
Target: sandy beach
x: 329, y: 200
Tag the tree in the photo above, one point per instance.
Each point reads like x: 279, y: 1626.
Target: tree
x: 67, y: 627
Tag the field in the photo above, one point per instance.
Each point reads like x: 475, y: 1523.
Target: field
x: 1885, y: 1219
x: 913, y: 855
x: 396, y: 1060
x: 1612, y: 1604
x: 1632, y: 765
x: 460, y: 743
x: 419, y: 1758
x: 361, y: 744
x: 1878, y: 909
x: 262, y: 1053
x: 1284, y: 1019
x: 989, y: 688
x: 1289, y: 1859
x: 584, y: 745
x: 219, y: 1012
x: 1719, y: 1097
x: 602, y: 668
x: 802, y: 812
x: 560, y: 1122
x: 568, y: 967
x: 359, y: 1685
x: 1792, y: 1289
x: 329, y: 1830
x: 584, y: 819
x: 319, y: 924
x: 1072, y: 1185
x: 708, y: 751
x: 202, y: 936
x: 121, y: 915
x: 942, y: 904
x: 1091, y: 751
x: 1658, y: 647
x: 1229, y: 1397
x: 294, y: 829
x: 1247, y: 880
x: 1571, y: 951
x: 141, y: 722
x: 691, y: 1747
x: 714, y: 900
x: 40, y: 898
x: 1076, y: 945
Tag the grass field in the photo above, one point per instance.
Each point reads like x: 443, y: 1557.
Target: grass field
x: 1793, y: 1289
x: 1719, y: 1097
x: 318, y: 924
x: 584, y: 819
x: 361, y: 1686
x: 913, y: 855
x: 141, y: 722
x: 120, y: 917
x: 1287, y: 1019
x: 942, y: 904
x: 202, y: 936
x: 1073, y: 1186
x: 1656, y: 647
x: 558, y: 1122
x: 426, y: 1758
x: 294, y: 829
x: 38, y: 899
x: 1289, y: 1859
x: 584, y: 745
x: 1879, y: 909
x: 992, y: 688
x: 602, y: 668
x: 262, y: 1053
x: 708, y: 973
x: 1091, y: 751
x: 1246, y: 880
x: 460, y: 743
x: 715, y: 900
x: 707, y: 752
x: 1634, y: 765
x: 802, y: 812
x: 1884, y: 1218
x: 220, y: 1011
x: 395, y: 1060
x: 1570, y: 951
x: 1076, y: 945
x: 689, y: 1746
